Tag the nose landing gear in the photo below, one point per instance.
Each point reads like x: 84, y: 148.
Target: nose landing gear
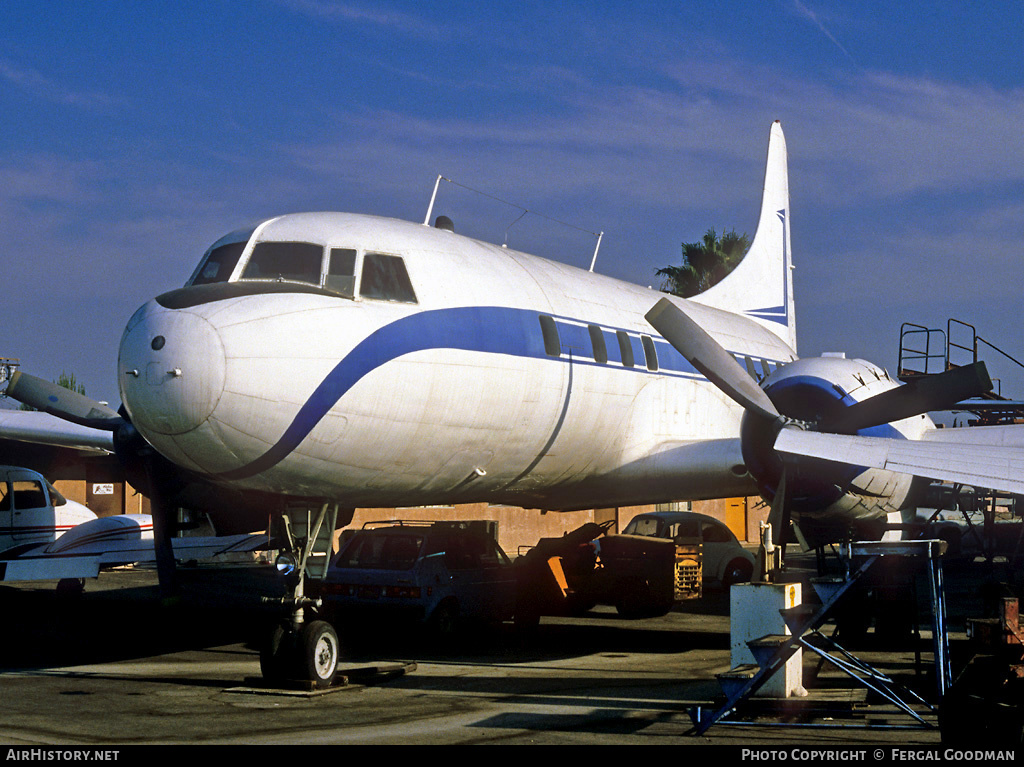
x: 299, y: 650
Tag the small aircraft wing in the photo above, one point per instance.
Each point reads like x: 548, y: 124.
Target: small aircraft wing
x: 985, y: 456
x: 111, y: 542
x: 45, y: 429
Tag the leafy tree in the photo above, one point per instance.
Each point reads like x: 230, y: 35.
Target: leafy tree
x: 68, y: 381
x: 705, y: 263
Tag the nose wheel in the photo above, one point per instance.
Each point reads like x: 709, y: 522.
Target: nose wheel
x: 306, y: 656
x: 320, y: 649
x: 301, y: 649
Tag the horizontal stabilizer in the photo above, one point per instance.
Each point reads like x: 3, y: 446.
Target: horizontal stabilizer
x: 992, y: 466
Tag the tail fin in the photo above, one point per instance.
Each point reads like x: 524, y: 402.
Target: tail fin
x: 761, y: 287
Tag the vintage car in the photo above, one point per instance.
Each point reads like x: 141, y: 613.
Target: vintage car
x: 724, y: 560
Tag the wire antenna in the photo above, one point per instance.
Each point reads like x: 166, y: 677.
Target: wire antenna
x: 525, y: 211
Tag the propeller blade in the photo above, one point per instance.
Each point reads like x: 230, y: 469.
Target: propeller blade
x: 707, y: 355
x: 63, y: 403
x: 998, y: 467
x: 934, y: 392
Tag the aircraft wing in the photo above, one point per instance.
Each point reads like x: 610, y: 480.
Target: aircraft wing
x: 45, y: 429
x: 986, y: 456
x: 86, y: 559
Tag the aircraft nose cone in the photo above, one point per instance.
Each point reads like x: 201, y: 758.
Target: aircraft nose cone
x: 170, y: 370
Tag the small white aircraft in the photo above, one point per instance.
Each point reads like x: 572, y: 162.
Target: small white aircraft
x: 340, y: 361
x: 45, y: 536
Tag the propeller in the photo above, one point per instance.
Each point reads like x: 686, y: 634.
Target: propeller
x: 707, y: 355
x: 936, y: 392
x: 764, y: 426
x: 63, y: 403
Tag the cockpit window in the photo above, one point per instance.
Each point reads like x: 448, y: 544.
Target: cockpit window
x: 385, y: 278
x: 292, y: 261
x: 341, y: 272
x: 220, y: 263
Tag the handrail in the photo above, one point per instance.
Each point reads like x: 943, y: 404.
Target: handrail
x: 912, y: 355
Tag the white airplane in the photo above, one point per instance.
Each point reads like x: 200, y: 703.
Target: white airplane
x: 45, y: 536
x: 340, y: 361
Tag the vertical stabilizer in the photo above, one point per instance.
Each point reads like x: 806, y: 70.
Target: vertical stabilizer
x: 761, y: 287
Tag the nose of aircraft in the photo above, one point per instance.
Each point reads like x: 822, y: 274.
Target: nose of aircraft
x: 170, y: 370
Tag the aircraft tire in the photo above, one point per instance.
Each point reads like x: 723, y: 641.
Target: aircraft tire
x: 320, y: 650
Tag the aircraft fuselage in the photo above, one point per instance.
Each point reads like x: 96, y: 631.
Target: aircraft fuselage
x: 498, y: 377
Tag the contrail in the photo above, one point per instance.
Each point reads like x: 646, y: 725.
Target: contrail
x: 807, y: 13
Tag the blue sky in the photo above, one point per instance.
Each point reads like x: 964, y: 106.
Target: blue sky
x: 134, y: 134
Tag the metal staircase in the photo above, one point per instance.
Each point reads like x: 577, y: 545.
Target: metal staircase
x: 805, y: 625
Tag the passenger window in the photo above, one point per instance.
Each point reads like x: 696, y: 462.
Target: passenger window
x: 688, y: 529
x: 292, y: 261
x: 597, y: 342
x: 552, y: 344
x: 341, y: 272
x: 625, y: 348
x: 220, y: 264
x: 5, y: 497
x: 28, y: 495
x: 650, y: 353
x: 385, y: 278
x: 715, y: 533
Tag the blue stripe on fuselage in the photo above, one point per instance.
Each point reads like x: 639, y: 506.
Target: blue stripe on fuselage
x: 486, y: 329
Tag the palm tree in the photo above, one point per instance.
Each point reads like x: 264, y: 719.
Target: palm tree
x: 705, y: 263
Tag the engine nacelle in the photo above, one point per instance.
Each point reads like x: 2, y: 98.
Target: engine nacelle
x: 828, y: 500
